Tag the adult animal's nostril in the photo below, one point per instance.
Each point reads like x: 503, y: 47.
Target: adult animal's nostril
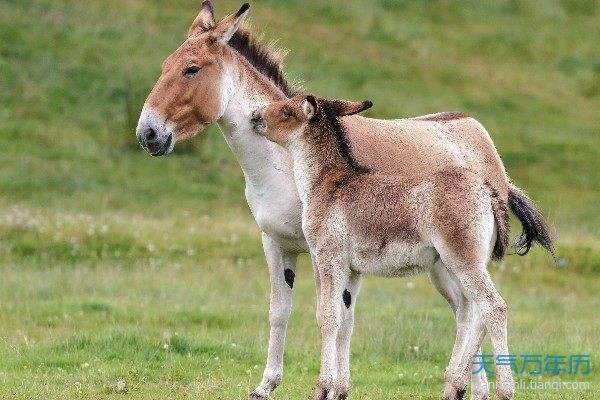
x: 151, y: 134
x: 255, y: 116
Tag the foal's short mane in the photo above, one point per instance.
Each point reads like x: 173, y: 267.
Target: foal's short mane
x: 263, y: 58
x: 330, y: 113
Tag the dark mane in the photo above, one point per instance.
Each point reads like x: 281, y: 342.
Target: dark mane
x: 262, y: 59
x: 330, y: 114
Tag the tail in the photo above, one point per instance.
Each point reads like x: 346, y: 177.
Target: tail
x: 502, y: 225
x: 535, y: 229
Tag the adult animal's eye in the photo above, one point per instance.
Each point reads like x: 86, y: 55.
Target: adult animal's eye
x: 191, y: 71
x: 286, y: 112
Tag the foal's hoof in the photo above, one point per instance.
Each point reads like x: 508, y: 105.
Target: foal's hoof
x: 342, y: 391
x: 453, y: 393
x: 321, y: 395
x: 324, y: 394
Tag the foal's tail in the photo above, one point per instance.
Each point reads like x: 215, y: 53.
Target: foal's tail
x: 502, y: 225
x: 535, y: 228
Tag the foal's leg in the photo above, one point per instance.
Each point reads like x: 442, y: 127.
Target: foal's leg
x: 334, y: 275
x: 349, y: 298
x: 449, y: 288
x: 478, y: 286
x: 472, y: 345
x: 282, y: 267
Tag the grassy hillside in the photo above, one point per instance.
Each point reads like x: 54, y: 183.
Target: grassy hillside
x: 115, y: 265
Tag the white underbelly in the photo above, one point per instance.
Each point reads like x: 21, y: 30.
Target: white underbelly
x: 393, y: 259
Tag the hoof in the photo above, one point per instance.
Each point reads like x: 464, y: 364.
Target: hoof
x: 256, y: 396
x: 321, y: 395
x: 324, y: 394
x: 342, y: 392
x: 455, y: 394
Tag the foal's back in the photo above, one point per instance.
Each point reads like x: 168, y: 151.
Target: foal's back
x: 418, y: 147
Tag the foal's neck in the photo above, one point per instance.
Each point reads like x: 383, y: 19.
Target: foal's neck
x: 322, y: 159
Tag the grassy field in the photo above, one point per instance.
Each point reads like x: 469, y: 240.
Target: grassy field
x: 129, y: 277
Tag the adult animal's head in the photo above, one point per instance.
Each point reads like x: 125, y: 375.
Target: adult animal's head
x: 192, y: 90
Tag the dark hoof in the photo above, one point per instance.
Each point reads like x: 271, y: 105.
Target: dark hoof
x: 459, y: 395
x: 321, y: 395
x: 256, y: 396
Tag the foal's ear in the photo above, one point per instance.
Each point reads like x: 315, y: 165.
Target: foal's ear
x: 344, y: 107
x: 205, y: 20
x: 310, y: 107
x: 225, y: 29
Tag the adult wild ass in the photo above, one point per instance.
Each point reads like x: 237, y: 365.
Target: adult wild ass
x: 360, y: 222
x: 221, y: 74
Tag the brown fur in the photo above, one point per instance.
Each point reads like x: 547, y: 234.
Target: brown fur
x: 443, y: 116
x: 385, y: 207
x: 193, y: 103
x: 448, y: 151
x: 415, y: 147
x: 412, y: 146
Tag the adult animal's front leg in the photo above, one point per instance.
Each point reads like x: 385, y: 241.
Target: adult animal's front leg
x: 282, y: 270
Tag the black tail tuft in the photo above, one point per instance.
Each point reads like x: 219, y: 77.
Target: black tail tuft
x: 535, y: 229
x: 502, y: 226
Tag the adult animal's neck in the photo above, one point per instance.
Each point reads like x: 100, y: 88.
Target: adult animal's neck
x: 263, y: 163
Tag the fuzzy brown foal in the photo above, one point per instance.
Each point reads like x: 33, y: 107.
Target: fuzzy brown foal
x: 358, y: 222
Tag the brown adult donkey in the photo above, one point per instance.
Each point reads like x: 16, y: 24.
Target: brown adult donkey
x: 221, y: 74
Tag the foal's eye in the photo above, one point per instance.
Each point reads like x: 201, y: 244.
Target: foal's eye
x: 191, y: 71
x: 286, y: 112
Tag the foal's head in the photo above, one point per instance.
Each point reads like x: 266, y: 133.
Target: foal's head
x: 190, y: 91
x: 286, y: 120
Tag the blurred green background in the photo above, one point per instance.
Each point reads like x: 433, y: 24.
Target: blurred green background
x: 126, y: 276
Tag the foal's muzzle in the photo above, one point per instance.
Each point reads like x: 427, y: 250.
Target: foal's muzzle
x: 258, y: 123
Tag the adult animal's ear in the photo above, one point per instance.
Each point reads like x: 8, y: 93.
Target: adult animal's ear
x: 225, y: 29
x: 310, y: 107
x: 344, y: 107
x: 205, y: 20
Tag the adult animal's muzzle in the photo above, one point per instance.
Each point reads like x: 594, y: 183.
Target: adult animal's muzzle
x: 154, y: 134
x: 155, y: 144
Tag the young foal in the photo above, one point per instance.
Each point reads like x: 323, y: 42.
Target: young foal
x: 358, y: 222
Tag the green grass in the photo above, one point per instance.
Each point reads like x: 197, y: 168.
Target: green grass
x: 120, y: 267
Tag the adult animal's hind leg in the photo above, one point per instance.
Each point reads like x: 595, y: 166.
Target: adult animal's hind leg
x: 349, y: 297
x: 282, y: 267
x: 466, y: 327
